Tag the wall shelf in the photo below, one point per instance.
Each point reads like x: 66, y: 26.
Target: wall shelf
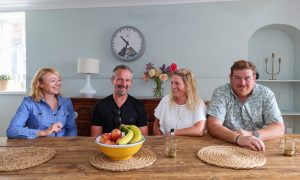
x: 282, y: 41
x: 278, y: 81
x: 290, y: 113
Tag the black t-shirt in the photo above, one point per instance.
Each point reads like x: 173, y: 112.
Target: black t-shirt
x: 107, y: 114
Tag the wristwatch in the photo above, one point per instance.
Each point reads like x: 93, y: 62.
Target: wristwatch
x: 256, y: 134
x: 172, y: 132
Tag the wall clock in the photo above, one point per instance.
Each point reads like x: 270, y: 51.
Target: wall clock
x: 128, y: 43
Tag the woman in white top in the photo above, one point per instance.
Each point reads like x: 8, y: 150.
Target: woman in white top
x: 182, y: 112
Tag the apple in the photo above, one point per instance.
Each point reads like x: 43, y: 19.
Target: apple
x: 107, y: 141
x: 117, y: 141
x: 115, y: 134
x: 104, y: 137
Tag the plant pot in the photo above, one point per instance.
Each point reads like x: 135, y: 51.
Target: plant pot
x: 3, y: 85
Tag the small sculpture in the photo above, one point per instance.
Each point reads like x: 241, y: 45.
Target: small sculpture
x: 272, y: 73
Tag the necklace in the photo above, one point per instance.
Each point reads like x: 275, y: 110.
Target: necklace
x: 178, y: 116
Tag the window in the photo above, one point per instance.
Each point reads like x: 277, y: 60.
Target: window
x: 13, y: 50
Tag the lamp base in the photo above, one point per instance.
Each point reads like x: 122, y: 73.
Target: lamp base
x: 87, y: 94
x: 87, y: 90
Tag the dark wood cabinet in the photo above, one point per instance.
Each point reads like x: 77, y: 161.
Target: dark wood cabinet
x: 84, y: 107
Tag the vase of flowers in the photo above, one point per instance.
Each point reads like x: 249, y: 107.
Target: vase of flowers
x: 158, y: 87
x: 158, y: 76
x: 4, y: 78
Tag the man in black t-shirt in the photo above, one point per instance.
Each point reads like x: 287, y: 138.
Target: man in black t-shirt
x: 120, y: 107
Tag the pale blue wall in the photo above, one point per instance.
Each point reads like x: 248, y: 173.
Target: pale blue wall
x: 205, y: 37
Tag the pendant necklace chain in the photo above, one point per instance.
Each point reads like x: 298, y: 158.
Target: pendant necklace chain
x: 178, y: 117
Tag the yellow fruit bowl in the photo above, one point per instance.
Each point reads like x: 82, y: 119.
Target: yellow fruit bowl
x: 119, y: 152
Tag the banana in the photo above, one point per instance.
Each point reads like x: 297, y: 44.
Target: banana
x: 137, y: 134
x: 124, y: 128
x: 128, y: 136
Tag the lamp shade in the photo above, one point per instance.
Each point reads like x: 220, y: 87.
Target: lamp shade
x: 88, y: 66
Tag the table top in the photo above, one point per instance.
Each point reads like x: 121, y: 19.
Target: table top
x: 72, y: 161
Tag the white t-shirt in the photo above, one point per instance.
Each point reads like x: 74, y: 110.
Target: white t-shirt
x: 177, y: 116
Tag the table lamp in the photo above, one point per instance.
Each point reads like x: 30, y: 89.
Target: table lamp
x: 88, y: 66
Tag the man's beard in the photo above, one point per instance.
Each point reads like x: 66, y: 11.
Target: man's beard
x: 122, y: 93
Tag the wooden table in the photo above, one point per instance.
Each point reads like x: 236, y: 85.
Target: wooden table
x: 72, y: 161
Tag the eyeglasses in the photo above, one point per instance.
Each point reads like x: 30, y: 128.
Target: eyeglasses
x: 117, y: 119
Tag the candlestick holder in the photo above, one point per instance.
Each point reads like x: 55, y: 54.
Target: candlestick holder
x: 273, y: 73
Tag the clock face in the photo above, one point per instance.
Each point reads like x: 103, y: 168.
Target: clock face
x: 128, y: 43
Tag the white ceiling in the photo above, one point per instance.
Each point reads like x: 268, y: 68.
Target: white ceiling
x: 19, y: 5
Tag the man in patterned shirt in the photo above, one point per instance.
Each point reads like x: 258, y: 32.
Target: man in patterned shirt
x: 243, y: 112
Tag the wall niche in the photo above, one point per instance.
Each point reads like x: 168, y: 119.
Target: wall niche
x: 284, y: 41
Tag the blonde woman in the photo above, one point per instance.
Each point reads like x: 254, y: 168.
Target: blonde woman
x: 182, y: 112
x: 44, y: 112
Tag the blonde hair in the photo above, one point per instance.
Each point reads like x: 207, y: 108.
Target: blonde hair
x: 36, y: 91
x: 193, y: 99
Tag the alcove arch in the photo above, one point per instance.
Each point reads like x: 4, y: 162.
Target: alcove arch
x: 284, y: 41
x: 281, y: 39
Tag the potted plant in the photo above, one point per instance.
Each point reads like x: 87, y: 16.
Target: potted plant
x: 4, y: 78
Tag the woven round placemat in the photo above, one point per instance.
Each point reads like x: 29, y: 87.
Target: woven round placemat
x: 16, y: 158
x: 231, y: 157
x: 145, y: 157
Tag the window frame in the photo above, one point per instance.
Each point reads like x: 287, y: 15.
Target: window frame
x: 13, y: 48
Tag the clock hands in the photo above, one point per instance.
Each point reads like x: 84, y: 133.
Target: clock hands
x: 127, y: 43
x: 123, y: 51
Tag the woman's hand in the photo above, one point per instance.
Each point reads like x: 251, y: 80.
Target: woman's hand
x: 54, y: 128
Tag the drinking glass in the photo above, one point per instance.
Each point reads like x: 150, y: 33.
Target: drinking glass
x: 287, y: 146
x: 171, y: 147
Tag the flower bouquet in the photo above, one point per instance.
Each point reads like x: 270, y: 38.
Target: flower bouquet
x: 158, y: 76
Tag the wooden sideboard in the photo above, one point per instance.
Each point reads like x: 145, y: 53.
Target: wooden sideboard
x: 84, y: 107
